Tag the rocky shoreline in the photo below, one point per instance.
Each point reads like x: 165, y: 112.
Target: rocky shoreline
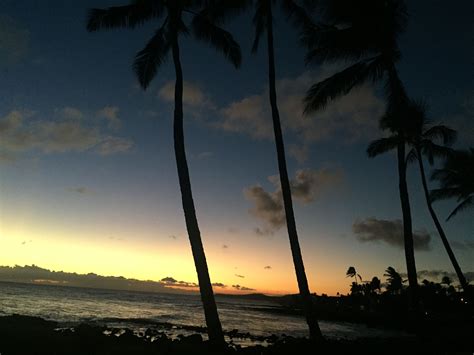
x: 32, y: 335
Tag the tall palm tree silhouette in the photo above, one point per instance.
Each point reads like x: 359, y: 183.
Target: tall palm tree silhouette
x: 456, y: 179
x: 145, y: 65
x: 263, y: 21
x: 366, y: 33
x: 422, y: 138
x: 351, y: 272
x: 394, y: 281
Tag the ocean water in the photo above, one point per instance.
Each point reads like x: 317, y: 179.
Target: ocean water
x: 139, y: 310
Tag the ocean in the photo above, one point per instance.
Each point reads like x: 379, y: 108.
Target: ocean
x: 168, y: 312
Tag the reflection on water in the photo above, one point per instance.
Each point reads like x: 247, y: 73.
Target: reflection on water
x: 70, y: 305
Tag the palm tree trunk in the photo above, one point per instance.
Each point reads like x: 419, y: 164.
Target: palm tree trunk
x: 452, y: 257
x: 314, y: 330
x: 214, y: 328
x: 407, y: 227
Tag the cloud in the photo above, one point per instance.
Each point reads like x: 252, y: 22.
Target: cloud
x: 242, y: 288
x: 112, y: 145
x: 169, y: 279
x: 37, y: 275
x: 172, y: 282
x: 80, y: 190
x: 268, y: 267
x: 240, y: 276
x: 110, y: 113
x: 225, y: 246
x: 352, y: 118
x: 307, y: 185
x: 219, y: 284
x: 14, y: 41
x: 247, y: 116
x: 193, y: 95
x: 69, y: 113
x: 21, y: 131
x: 299, y: 152
x: 462, y: 245
x: 390, y: 232
x: 173, y: 237
x: 204, y: 155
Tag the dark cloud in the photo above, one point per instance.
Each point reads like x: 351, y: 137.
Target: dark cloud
x: 462, y: 245
x: 263, y: 232
x: 169, y: 279
x: 35, y: 274
x: 80, y: 190
x: 172, y: 236
x: 390, y: 232
x: 268, y: 267
x: 225, y: 246
x: 305, y: 187
x: 242, y: 288
x: 241, y: 276
x: 219, y: 284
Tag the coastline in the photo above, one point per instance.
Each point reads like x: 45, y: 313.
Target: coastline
x: 34, y: 335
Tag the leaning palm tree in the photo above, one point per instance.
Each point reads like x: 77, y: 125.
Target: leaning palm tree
x: 145, y: 65
x: 456, y: 178
x: 365, y: 33
x: 422, y: 138
x: 394, y: 281
x: 263, y: 21
x: 351, y: 272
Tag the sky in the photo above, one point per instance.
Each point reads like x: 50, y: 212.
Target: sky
x: 88, y: 179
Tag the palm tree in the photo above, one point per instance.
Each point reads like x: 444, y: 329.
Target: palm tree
x: 394, y: 281
x: 423, y: 141
x: 263, y: 21
x: 351, y: 272
x: 456, y: 178
x: 145, y: 65
x: 365, y: 33
x: 422, y: 137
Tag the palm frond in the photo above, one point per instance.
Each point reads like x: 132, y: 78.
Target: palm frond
x: 441, y: 132
x: 150, y: 58
x: 468, y: 202
x: 382, y: 145
x: 320, y: 94
x: 219, y: 38
x: 219, y: 11
x: 412, y: 156
x: 128, y: 16
x: 432, y: 150
x: 297, y: 14
x: 444, y: 193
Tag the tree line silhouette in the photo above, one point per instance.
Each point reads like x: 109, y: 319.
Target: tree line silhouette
x: 364, y: 35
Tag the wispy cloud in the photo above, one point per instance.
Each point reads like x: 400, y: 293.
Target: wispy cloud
x: 110, y: 113
x: 21, y: 131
